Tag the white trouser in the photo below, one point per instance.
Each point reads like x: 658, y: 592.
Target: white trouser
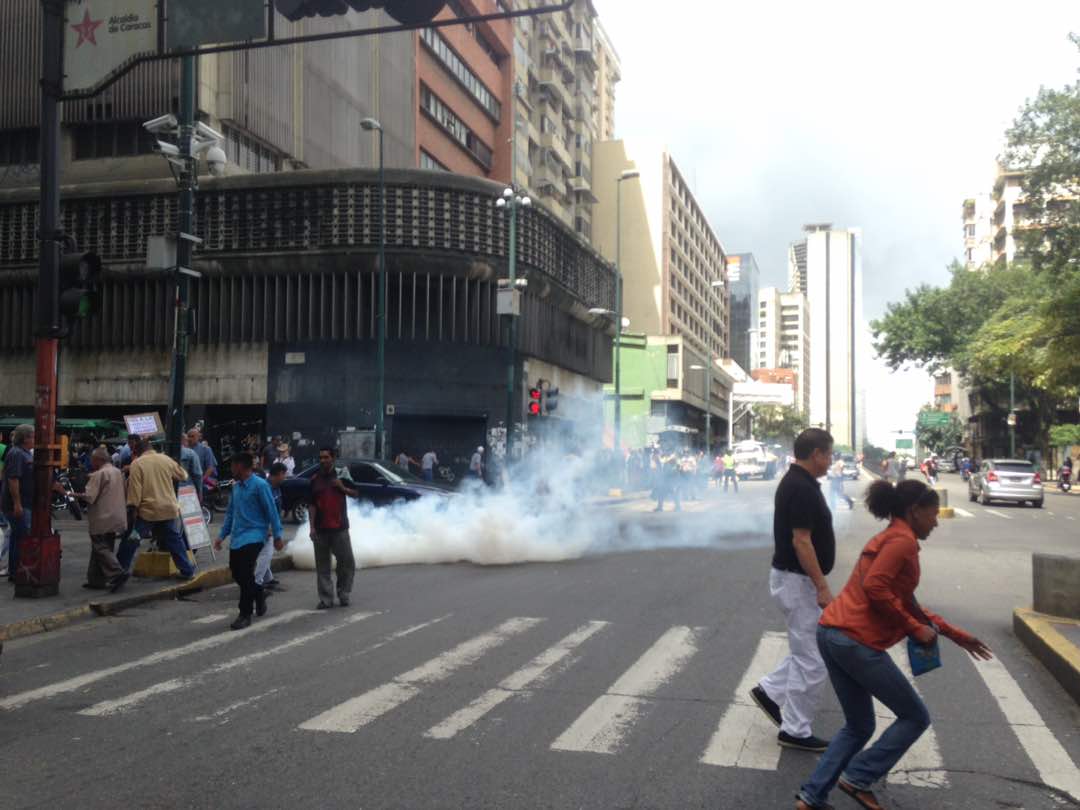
x: 263, y: 574
x: 795, y: 686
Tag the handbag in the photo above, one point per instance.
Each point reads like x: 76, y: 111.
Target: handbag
x: 923, y: 657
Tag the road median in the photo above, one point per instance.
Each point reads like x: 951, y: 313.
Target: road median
x: 1055, y: 642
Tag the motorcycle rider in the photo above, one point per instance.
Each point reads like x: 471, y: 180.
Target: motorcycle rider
x: 1065, y: 475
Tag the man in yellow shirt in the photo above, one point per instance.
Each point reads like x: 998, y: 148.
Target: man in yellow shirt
x: 151, y: 497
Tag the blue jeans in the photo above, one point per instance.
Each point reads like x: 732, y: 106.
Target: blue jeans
x: 859, y: 674
x: 429, y: 475
x: 167, y: 534
x: 17, y: 529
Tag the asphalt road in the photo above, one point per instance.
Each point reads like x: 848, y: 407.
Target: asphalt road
x: 613, y: 681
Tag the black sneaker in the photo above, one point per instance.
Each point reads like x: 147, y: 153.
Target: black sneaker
x: 813, y: 744
x: 766, y: 704
x: 343, y: 601
x: 323, y: 606
x: 241, y: 622
x: 260, y: 604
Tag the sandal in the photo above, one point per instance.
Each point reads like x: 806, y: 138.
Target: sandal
x: 864, y: 798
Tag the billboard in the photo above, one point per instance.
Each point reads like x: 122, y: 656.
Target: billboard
x: 102, y: 36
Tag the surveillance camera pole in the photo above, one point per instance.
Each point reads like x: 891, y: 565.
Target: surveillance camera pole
x: 187, y: 182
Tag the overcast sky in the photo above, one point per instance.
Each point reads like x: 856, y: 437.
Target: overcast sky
x: 880, y: 116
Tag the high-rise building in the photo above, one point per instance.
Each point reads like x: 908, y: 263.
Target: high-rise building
x: 674, y: 271
x: 1008, y: 215
x: 783, y: 339
x: 978, y: 233
x: 743, y: 273
x: 797, y: 266
x: 834, y: 292
x: 441, y: 95
x: 557, y: 62
x: 608, y: 74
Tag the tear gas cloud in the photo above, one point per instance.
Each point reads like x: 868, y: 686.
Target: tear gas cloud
x: 547, y: 511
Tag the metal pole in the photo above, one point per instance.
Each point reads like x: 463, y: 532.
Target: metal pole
x: 618, y: 315
x: 38, y: 572
x: 380, y: 419
x: 708, y: 415
x: 511, y: 348
x: 730, y: 419
x: 1012, y: 415
x: 184, y: 247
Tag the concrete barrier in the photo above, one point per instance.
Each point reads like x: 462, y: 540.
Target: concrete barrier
x: 1056, y: 585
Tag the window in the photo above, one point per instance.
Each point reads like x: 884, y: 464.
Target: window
x: 111, y: 139
x: 454, y: 127
x: 430, y: 163
x: 247, y: 153
x: 969, y: 231
x: 460, y: 71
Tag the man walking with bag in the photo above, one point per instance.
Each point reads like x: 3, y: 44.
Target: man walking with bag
x: 804, y: 556
x: 106, y: 518
x: 329, y: 516
x: 251, y: 517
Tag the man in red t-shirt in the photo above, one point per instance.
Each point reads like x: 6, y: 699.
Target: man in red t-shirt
x: 329, y: 516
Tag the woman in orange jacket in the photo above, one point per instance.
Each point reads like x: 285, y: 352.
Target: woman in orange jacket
x: 876, y: 610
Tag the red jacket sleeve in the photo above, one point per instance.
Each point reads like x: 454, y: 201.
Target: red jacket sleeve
x: 895, y: 553
x: 948, y: 630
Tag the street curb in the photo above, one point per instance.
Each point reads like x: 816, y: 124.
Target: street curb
x: 211, y: 578
x: 1057, y: 653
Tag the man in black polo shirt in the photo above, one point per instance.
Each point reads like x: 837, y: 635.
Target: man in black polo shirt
x: 805, y: 553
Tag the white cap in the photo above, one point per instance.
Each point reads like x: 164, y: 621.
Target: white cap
x: 480, y: 449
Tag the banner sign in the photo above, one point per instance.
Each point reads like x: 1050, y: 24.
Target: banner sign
x: 192, y: 517
x: 102, y: 36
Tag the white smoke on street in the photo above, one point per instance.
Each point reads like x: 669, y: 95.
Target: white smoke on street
x: 552, y: 510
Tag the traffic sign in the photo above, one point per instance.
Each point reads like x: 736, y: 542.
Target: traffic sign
x: 934, y: 419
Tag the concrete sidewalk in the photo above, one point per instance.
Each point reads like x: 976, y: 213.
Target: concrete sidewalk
x: 24, y: 617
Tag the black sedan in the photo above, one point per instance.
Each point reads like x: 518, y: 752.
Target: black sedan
x: 379, y: 483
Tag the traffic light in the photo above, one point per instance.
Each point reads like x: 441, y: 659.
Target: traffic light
x: 536, y: 397
x: 551, y: 400
x: 406, y: 12
x: 79, y: 274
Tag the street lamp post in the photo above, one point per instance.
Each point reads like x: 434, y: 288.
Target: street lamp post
x: 629, y: 174
x: 369, y: 125
x: 708, y: 406
x: 512, y: 201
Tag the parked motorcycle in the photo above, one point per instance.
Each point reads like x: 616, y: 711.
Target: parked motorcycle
x: 66, y: 498
x: 217, y: 493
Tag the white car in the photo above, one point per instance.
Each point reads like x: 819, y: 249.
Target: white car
x: 753, y: 460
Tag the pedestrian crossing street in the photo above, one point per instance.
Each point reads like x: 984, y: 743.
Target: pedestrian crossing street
x: 743, y: 738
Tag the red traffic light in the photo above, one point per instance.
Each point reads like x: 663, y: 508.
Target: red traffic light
x: 535, y: 395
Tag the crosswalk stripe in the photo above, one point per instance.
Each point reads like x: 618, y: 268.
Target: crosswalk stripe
x: 525, y: 677
x: 79, y: 681
x: 746, y: 738
x: 963, y: 512
x: 1048, y: 756
x: 213, y: 618
x: 922, y: 765
x: 351, y: 715
x: 996, y: 513
x: 128, y: 702
x: 602, y: 727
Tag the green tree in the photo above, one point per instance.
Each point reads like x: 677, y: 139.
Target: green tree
x: 939, y: 438
x: 779, y: 423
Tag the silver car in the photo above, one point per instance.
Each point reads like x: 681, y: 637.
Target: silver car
x: 1006, y: 480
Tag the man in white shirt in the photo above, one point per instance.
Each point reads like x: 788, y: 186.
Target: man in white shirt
x: 476, y: 466
x: 427, y: 465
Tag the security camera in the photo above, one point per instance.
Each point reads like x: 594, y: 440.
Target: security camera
x: 208, y: 133
x: 167, y: 149
x: 216, y: 159
x: 163, y: 123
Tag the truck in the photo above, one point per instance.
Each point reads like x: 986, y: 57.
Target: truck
x: 754, y: 459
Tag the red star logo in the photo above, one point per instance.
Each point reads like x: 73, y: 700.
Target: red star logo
x: 86, y: 29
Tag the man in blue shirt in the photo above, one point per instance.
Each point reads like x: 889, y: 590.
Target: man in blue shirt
x: 17, y: 492
x: 251, y: 517
x: 205, y: 454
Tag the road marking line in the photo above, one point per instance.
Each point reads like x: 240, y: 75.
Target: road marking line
x: 525, y: 677
x: 240, y: 704
x: 1048, y: 756
x: 745, y: 738
x: 213, y: 618
x: 922, y: 765
x: 130, y: 701
x: 998, y: 514
x: 602, y: 727
x: 963, y: 512
x: 349, y: 716
x: 1069, y: 517
x: 79, y: 681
